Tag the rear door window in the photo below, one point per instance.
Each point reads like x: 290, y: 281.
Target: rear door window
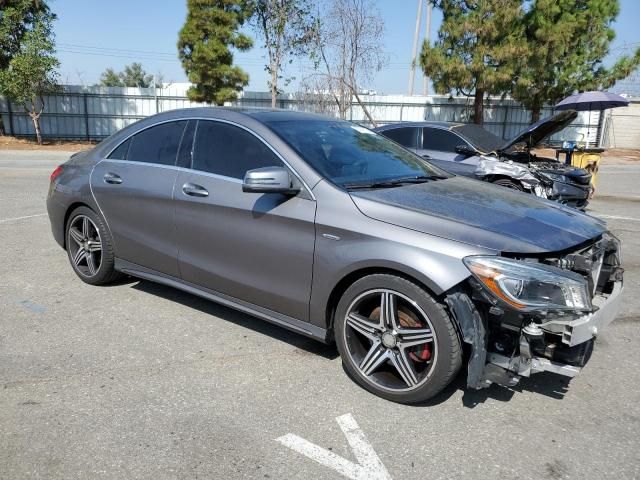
x: 230, y: 151
x: 439, y: 139
x: 120, y: 153
x: 405, y: 136
x: 158, y: 144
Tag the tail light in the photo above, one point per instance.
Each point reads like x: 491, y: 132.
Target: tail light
x: 55, y: 173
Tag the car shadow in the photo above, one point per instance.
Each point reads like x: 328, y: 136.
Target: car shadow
x: 546, y: 384
x: 258, y: 325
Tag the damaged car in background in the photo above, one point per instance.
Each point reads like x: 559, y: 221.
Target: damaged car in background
x: 472, y: 151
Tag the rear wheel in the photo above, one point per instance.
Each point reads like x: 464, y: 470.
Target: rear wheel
x: 395, y: 339
x: 505, y: 182
x: 89, y: 247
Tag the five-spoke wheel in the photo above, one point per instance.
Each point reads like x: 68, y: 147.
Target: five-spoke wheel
x: 89, y: 247
x: 85, y: 245
x: 391, y: 339
x: 395, y: 339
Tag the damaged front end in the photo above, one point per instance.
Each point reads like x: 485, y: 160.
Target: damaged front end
x: 527, y: 315
x: 547, y: 179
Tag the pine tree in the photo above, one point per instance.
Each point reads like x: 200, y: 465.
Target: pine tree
x: 478, y: 46
x: 204, y: 43
x: 568, y: 40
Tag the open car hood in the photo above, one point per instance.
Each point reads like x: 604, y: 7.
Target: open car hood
x: 539, y: 131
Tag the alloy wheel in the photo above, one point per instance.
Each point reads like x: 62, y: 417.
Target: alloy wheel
x: 85, y: 246
x: 390, y: 340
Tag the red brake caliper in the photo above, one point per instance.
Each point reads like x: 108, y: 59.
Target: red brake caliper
x: 407, y: 320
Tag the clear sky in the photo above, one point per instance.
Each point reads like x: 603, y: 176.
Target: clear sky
x: 93, y: 35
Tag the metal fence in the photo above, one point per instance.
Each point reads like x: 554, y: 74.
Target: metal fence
x: 93, y: 113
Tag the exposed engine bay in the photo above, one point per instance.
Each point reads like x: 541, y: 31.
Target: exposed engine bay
x: 506, y: 344
x: 541, y: 176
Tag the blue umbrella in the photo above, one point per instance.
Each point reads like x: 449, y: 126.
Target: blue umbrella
x: 588, y: 101
x: 592, y: 101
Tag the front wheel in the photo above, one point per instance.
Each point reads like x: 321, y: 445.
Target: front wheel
x: 506, y: 183
x: 395, y: 339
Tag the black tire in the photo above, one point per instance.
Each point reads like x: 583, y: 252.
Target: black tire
x: 506, y: 183
x: 447, y: 344
x: 104, y: 272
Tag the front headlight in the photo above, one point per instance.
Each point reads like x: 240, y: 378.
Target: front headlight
x: 555, y: 177
x: 530, y: 286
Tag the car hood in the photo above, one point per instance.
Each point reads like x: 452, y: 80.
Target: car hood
x: 536, y: 133
x: 481, y: 214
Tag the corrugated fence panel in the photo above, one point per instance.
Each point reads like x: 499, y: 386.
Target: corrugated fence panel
x: 97, y: 112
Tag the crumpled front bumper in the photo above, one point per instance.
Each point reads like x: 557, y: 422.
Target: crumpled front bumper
x: 580, y: 330
x: 573, y: 333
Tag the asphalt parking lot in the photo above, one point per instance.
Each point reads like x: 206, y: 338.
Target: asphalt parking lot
x: 138, y: 380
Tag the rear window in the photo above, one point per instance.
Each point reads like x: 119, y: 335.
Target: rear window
x: 405, y: 136
x: 120, y: 153
x: 158, y: 144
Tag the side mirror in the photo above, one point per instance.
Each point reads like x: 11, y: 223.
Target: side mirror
x: 269, y: 180
x: 465, y: 149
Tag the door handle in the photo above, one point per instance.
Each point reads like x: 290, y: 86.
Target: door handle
x: 112, y: 178
x: 425, y: 156
x: 194, y: 190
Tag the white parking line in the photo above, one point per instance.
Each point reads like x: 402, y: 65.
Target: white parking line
x: 369, y: 466
x: 5, y: 220
x: 616, y: 217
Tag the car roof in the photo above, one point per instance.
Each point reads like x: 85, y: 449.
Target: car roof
x: 434, y: 124
x: 260, y: 114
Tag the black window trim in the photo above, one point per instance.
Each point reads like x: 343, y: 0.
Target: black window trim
x: 200, y: 172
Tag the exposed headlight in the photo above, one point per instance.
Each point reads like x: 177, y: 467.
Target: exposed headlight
x: 530, y: 286
x: 556, y: 177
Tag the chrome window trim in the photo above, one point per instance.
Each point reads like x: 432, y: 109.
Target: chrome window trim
x: 221, y: 177
x: 173, y: 167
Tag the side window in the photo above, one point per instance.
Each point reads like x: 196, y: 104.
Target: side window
x: 405, y: 136
x: 157, y: 144
x: 228, y: 150
x: 439, y: 139
x: 120, y: 153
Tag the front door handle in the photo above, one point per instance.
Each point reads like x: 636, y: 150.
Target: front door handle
x: 425, y: 156
x: 112, y: 178
x: 194, y: 190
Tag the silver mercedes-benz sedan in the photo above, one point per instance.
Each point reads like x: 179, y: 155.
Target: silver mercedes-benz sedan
x: 331, y: 230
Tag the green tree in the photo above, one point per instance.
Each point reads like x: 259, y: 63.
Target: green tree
x: 31, y: 73
x: 204, y: 47
x: 16, y: 19
x: 568, y: 41
x: 287, y: 28
x: 111, y: 78
x: 478, y: 47
x: 132, y: 76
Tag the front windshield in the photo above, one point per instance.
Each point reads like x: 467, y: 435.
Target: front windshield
x: 483, y: 140
x: 350, y: 155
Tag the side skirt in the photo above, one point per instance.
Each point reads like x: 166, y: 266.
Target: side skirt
x: 298, y: 326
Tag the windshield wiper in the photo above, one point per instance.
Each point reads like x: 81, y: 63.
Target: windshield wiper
x: 396, y: 182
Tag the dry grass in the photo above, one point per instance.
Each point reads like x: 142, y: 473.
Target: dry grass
x: 13, y: 143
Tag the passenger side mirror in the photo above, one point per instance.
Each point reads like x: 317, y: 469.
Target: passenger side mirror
x: 465, y: 149
x: 269, y: 180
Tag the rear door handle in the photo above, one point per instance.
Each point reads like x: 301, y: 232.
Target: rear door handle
x: 112, y: 178
x: 424, y: 155
x: 194, y: 190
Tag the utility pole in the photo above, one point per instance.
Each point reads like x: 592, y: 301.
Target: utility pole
x: 412, y: 70
x: 427, y: 39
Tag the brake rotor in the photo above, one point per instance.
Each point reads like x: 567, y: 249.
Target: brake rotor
x: 407, y: 319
